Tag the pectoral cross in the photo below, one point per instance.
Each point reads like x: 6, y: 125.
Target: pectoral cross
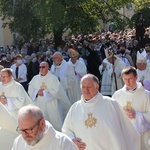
x: 2, y: 95
x: 128, y: 106
x: 43, y: 86
x: 91, y: 121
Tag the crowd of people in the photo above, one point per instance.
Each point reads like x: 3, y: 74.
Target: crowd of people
x: 94, y: 88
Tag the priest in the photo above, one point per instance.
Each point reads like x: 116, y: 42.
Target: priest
x: 12, y: 94
x: 79, y: 70
x: 97, y: 122
x: 135, y: 101
x: 143, y: 70
x: 65, y: 74
x: 47, y: 93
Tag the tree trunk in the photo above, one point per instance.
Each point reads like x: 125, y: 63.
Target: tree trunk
x: 57, y: 38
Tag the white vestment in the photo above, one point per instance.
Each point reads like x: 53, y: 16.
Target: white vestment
x: 144, y: 77
x: 119, y: 65
x: 148, y: 62
x: 106, y: 84
x: 8, y: 126
x: 80, y: 70
x: 16, y: 96
x: 50, y: 101
x: 67, y: 78
x: 52, y: 140
x: 140, y: 102
x: 101, y: 124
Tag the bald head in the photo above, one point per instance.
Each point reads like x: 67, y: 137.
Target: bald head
x: 58, y: 54
x: 44, y: 68
x: 90, y: 77
x: 89, y: 86
x: 44, y: 63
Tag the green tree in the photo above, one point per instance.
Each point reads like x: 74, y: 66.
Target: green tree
x: 33, y: 19
x: 146, y: 15
x: 142, y: 6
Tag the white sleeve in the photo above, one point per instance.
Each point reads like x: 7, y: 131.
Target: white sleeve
x: 47, y: 95
x: 34, y: 94
x: 11, y: 105
x: 140, y: 123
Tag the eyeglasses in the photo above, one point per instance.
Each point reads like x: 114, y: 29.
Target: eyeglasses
x: 28, y: 131
x: 41, y: 67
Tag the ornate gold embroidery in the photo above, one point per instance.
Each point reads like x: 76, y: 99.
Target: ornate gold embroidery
x: 128, y: 106
x: 43, y: 86
x: 2, y: 95
x: 91, y: 121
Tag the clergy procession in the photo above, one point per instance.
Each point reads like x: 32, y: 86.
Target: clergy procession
x: 90, y: 93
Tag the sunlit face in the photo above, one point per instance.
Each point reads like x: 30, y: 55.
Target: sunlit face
x: 57, y: 59
x: 89, y: 88
x: 130, y: 80
x: 44, y: 68
x: 74, y: 59
x: 5, y: 78
x: 27, y: 123
x: 141, y: 66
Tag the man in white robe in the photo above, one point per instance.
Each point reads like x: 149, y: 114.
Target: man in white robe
x: 143, y: 71
x: 117, y: 66
x: 65, y: 74
x: 106, y: 84
x: 79, y: 69
x: 38, y: 134
x: 12, y: 98
x: 8, y: 126
x: 12, y: 94
x: 135, y: 101
x: 46, y: 93
x: 98, y: 123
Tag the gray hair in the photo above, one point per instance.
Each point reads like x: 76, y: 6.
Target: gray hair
x: 8, y: 70
x: 90, y: 76
x: 30, y: 110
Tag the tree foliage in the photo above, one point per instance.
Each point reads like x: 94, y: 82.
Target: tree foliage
x: 146, y: 15
x: 33, y: 19
x: 140, y: 4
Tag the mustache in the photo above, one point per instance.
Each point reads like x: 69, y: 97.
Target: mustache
x: 28, y: 137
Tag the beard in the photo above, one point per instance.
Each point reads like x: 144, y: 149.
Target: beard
x: 57, y: 63
x: 33, y: 140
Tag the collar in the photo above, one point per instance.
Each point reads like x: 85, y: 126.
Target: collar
x: 132, y: 90
x: 8, y: 83
x: 91, y: 100
x: 57, y: 66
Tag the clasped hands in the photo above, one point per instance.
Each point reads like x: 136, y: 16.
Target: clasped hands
x: 3, y: 100
x: 40, y: 92
x: 81, y: 145
x: 130, y: 113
